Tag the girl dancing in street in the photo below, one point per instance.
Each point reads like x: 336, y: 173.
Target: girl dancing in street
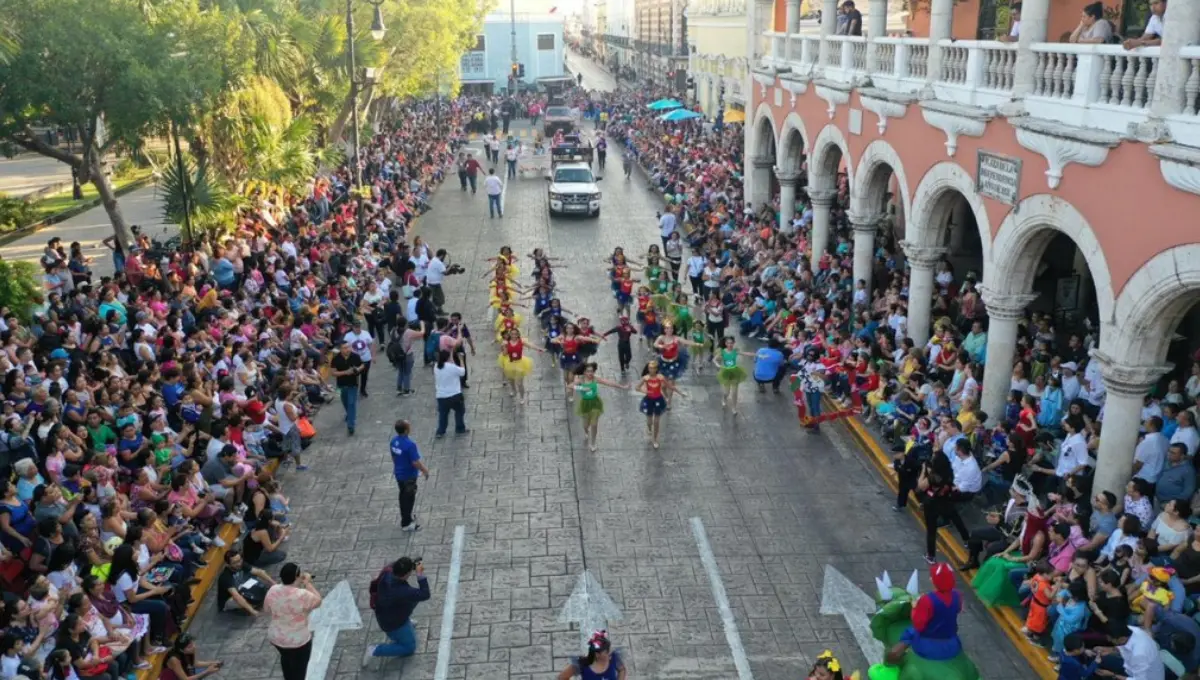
x: 514, y: 364
x: 655, y: 387
x: 590, y: 406
x: 729, y: 373
x: 571, y: 358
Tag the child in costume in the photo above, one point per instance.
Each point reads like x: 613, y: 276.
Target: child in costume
x: 624, y: 332
x: 1073, y: 614
x: 934, y: 631
x: 729, y: 374
x: 655, y: 388
x: 590, y: 406
x: 1041, y: 597
x: 513, y: 362
x: 827, y: 667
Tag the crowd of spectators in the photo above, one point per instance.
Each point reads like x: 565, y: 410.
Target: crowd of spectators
x: 142, y: 409
x: 1021, y: 478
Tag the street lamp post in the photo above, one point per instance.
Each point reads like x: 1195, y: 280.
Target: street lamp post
x: 377, y: 32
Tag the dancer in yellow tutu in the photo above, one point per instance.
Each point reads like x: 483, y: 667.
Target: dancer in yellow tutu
x: 514, y: 364
x: 506, y: 321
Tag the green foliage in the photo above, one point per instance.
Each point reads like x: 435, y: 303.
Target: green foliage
x: 20, y: 287
x: 15, y: 213
x: 210, y: 203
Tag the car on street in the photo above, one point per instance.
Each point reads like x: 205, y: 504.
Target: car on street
x: 572, y: 190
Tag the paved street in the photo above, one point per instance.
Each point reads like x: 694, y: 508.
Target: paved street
x: 140, y: 207
x: 538, y: 509
x: 28, y: 172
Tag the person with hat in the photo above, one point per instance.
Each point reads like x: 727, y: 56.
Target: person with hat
x: 395, y: 601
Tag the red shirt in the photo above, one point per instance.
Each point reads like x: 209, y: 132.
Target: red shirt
x: 515, y: 350
x: 654, y: 385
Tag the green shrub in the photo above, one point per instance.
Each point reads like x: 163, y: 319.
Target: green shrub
x: 20, y: 287
x: 15, y: 213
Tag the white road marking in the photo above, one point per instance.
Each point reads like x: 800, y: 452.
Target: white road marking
x: 337, y: 612
x: 443, y: 656
x: 840, y: 597
x: 740, y: 661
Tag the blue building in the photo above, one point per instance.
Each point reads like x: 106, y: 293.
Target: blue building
x: 539, y: 38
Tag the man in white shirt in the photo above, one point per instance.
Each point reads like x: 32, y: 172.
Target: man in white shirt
x: 1073, y: 453
x: 1139, y: 652
x: 494, y: 188
x: 1152, y: 36
x: 447, y: 382
x: 435, y: 273
x: 968, y: 478
x: 667, y: 224
x: 1151, y: 453
x: 1014, y: 33
x: 1186, y: 434
x: 362, y: 344
x: 494, y: 149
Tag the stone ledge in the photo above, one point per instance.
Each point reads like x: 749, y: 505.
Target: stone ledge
x: 1076, y: 134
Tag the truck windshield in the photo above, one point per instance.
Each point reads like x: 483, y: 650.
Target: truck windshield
x: 573, y: 175
x: 558, y: 112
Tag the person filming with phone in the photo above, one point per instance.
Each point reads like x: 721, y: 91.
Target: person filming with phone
x: 289, y: 603
x: 394, y: 602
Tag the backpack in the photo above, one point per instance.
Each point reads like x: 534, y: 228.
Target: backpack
x: 395, y: 350
x: 373, y: 589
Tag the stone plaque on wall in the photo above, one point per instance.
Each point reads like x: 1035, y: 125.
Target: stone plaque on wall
x: 998, y: 177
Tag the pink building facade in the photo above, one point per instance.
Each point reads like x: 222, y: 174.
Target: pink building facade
x: 1023, y: 143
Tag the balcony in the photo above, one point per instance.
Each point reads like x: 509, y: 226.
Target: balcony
x: 1096, y: 87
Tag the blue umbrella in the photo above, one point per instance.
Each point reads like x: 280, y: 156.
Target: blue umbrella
x: 664, y: 104
x: 679, y: 114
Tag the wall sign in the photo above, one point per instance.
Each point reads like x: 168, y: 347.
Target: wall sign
x: 998, y: 177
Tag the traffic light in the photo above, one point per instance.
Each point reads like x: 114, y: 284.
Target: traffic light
x: 516, y: 71
x: 520, y: 70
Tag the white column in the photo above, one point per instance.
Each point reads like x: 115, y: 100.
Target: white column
x: 1172, y: 69
x: 921, y: 262
x: 941, y: 26
x: 793, y: 17
x: 829, y: 11
x: 787, y: 195
x: 1004, y: 311
x: 822, y: 202
x: 760, y: 168
x: 1126, y: 388
x: 876, y: 28
x: 865, y: 228
x: 1035, y: 19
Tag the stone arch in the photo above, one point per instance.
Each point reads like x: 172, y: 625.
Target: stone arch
x: 763, y: 143
x: 1023, y: 237
x: 793, y: 144
x: 823, y: 163
x: 931, y: 207
x: 870, y: 184
x: 1152, y: 304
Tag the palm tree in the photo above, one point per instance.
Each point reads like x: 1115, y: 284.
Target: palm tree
x: 210, y: 204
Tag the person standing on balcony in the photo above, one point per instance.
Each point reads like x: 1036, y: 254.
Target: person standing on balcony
x: 1093, y: 28
x: 849, y: 20
x: 1152, y: 36
x: 1014, y: 33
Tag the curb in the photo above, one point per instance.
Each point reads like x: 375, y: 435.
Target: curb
x: 1007, y: 618
x: 67, y: 214
x: 208, y: 577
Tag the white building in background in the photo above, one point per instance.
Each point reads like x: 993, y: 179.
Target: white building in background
x: 620, y: 29
x: 717, y: 61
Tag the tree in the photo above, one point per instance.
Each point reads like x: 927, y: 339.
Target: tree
x: 210, y: 203
x: 113, y: 71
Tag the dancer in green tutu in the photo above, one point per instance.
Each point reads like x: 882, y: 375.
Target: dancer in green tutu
x: 590, y: 406
x: 730, y: 374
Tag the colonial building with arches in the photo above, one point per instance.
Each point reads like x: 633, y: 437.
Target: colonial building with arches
x: 1067, y: 176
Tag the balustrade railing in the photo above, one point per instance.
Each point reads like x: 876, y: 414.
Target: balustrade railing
x: 1096, y: 86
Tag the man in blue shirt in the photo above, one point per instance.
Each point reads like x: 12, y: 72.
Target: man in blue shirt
x: 768, y: 366
x: 406, y: 467
x: 395, y: 601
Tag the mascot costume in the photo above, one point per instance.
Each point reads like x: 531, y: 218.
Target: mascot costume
x: 920, y: 632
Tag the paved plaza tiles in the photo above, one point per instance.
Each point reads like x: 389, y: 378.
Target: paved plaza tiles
x: 537, y: 509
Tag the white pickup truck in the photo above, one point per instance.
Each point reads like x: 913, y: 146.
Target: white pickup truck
x: 572, y: 190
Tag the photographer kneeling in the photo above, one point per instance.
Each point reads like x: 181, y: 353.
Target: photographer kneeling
x: 395, y: 601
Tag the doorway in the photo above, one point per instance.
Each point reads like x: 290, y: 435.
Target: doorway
x: 986, y: 27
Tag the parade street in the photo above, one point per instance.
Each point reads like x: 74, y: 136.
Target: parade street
x: 713, y: 548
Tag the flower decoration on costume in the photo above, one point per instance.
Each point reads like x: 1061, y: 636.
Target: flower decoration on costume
x: 830, y: 660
